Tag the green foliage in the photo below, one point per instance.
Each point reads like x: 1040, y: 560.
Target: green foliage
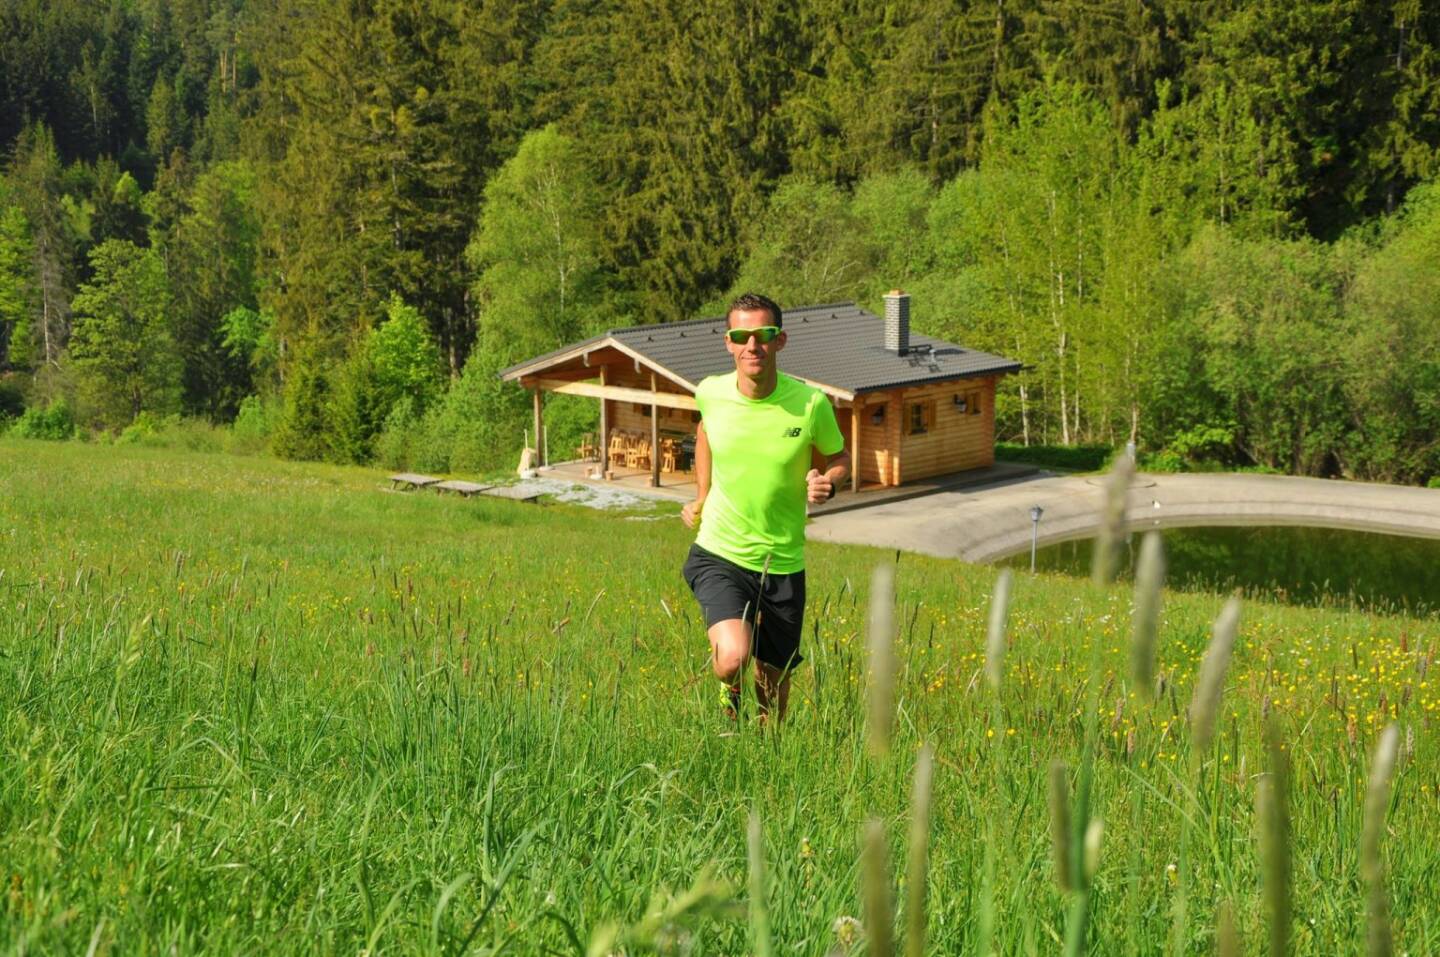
x: 17, y: 292
x: 1391, y: 349
x: 1046, y: 178
x: 536, y: 250
x: 394, y: 446
x: 405, y: 359
x: 809, y: 248
x: 55, y: 422
x: 255, y: 424
x: 303, y: 432
x: 211, y: 242
x: 477, y: 425
x: 1071, y: 458
x: 12, y: 400
x: 249, y: 336
x: 398, y: 361
x: 121, y: 345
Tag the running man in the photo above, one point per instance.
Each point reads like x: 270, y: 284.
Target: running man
x: 762, y: 435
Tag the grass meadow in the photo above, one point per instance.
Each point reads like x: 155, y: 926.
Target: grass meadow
x: 249, y: 706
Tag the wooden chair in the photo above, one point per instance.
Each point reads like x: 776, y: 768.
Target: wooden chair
x: 667, y: 455
x: 588, y: 450
x: 638, y: 455
x: 618, y: 444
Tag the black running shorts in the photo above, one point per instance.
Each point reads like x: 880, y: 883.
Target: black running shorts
x: 725, y: 590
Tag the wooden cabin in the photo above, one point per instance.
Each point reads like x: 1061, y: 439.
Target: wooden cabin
x: 911, y: 407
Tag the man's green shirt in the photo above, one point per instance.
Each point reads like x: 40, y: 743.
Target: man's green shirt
x: 759, y: 455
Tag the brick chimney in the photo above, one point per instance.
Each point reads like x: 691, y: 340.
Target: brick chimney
x: 897, y: 321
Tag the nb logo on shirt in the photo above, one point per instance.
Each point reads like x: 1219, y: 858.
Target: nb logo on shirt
x: 792, y: 433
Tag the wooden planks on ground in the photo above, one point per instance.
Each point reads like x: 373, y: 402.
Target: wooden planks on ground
x: 464, y: 489
x: 516, y: 493
x: 409, y: 480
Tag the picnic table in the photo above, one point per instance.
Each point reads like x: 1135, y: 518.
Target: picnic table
x: 409, y: 480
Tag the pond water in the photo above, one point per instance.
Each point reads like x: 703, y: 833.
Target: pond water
x: 1296, y: 565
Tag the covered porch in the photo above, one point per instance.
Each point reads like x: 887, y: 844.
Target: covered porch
x: 647, y: 418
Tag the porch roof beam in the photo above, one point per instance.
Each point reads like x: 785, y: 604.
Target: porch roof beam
x: 669, y: 400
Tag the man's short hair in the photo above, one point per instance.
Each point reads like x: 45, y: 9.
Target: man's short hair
x: 751, y: 300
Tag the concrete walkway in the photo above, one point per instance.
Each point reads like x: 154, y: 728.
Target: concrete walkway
x: 982, y: 524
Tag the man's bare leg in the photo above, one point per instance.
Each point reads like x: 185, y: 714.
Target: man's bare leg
x: 772, y: 690
x: 729, y: 653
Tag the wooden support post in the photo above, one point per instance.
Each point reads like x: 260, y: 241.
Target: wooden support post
x: 539, y: 429
x: 654, y: 438
x: 855, y: 446
x: 604, y: 429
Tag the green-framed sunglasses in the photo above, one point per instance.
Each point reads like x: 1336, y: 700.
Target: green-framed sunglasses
x: 762, y: 334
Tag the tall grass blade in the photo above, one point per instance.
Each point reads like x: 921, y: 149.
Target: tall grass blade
x: 1372, y: 868
x: 917, y: 870
x: 880, y: 675
x: 1210, y: 683
x: 1149, y: 580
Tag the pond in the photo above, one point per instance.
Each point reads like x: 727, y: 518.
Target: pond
x: 1296, y: 565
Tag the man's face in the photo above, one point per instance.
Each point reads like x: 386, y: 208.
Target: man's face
x: 753, y: 357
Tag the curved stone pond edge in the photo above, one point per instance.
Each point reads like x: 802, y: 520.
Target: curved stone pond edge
x: 993, y: 522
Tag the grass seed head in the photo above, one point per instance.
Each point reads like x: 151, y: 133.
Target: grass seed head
x: 1273, y: 823
x: 995, y: 637
x: 1210, y: 682
x: 759, y: 911
x: 1149, y: 579
x: 880, y: 680
x: 875, y: 889
x: 1227, y: 939
x: 1377, y: 799
x: 1112, y: 520
x: 1094, y: 832
x: 918, y: 865
x: 1060, y: 833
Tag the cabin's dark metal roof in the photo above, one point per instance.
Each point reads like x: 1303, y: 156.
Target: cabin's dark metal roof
x: 838, y: 345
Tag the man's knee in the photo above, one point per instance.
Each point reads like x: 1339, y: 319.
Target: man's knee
x: 730, y: 643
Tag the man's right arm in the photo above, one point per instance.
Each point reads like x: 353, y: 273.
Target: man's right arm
x: 690, y: 514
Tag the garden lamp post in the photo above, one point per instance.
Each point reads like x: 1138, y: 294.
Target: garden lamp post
x: 1035, y: 512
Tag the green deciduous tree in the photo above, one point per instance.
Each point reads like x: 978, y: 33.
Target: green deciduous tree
x: 121, y: 345
x: 536, y: 250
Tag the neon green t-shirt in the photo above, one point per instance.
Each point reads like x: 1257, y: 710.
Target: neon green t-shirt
x: 759, y: 454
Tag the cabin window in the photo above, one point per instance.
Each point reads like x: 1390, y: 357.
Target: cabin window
x: 921, y: 417
x: 974, y: 403
x: 877, y: 415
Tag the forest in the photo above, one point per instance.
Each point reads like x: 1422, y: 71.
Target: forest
x: 320, y: 227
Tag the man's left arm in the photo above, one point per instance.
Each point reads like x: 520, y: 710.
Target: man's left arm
x: 822, y: 485
x: 827, y: 448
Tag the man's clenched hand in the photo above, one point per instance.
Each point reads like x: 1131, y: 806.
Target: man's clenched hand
x: 690, y: 514
x: 818, y: 488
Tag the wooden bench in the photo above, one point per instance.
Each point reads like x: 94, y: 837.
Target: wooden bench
x: 464, y: 489
x: 409, y: 480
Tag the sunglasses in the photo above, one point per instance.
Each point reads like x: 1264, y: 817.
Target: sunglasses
x: 762, y: 334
